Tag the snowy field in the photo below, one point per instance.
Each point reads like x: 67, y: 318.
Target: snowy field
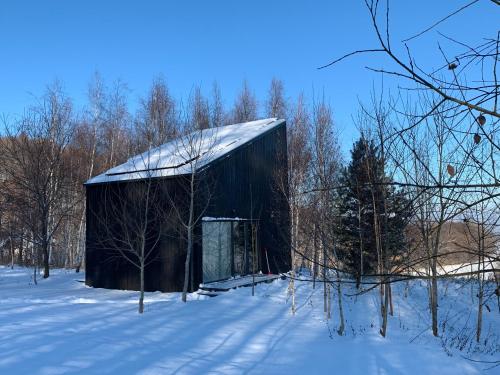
x: 462, y: 268
x: 63, y: 327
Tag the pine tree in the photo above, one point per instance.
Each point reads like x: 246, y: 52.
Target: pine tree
x: 363, y: 177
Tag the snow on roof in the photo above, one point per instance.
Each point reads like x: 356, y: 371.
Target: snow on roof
x: 194, y: 150
x: 209, y: 218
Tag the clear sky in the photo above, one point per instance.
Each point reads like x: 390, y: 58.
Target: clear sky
x: 196, y: 42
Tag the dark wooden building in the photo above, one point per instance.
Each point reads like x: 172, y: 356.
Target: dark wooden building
x: 243, y: 226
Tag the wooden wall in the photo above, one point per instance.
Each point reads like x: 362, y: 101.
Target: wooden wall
x: 246, y: 186
x: 106, y: 267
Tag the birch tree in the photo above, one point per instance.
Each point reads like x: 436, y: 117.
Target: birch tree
x: 35, y: 163
x: 326, y: 162
x: 87, y: 140
x: 294, y: 182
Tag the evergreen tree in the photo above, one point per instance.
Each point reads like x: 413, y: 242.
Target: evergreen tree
x: 362, y: 183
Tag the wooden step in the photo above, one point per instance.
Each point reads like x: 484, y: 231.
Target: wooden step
x: 245, y: 281
x: 207, y: 293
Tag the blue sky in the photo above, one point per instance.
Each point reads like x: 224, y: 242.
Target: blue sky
x: 197, y: 42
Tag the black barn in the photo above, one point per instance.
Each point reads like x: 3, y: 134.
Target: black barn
x: 244, y: 217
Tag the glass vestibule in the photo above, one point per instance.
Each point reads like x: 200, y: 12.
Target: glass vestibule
x: 229, y: 248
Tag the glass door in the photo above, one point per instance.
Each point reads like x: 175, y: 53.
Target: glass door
x: 230, y: 248
x: 217, y: 255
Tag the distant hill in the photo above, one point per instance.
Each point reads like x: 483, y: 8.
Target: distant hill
x: 459, y: 243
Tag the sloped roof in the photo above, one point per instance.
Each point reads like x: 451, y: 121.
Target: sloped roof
x: 194, y: 150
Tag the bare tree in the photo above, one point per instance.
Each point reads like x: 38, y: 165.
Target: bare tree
x: 294, y: 182
x: 245, y: 105
x: 482, y: 240
x: 200, y: 110
x: 482, y: 98
x: 116, y: 142
x: 11, y: 229
x: 326, y: 162
x: 87, y: 140
x: 217, y: 114
x: 192, y: 150
x: 157, y: 119
x: 132, y: 220
x: 276, y: 104
x: 34, y: 159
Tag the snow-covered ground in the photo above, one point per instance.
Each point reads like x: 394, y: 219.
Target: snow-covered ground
x: 462, y: 269
x: 61, y: 326
x: 468, y: 267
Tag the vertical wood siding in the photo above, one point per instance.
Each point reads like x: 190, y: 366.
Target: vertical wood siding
x: 240, y: 184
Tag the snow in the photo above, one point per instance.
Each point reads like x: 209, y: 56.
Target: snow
x: 194, y: 150
x: 60, y: 326
x: 209, y: 218
x: 462, y: 268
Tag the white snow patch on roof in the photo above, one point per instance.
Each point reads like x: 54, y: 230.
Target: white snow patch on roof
x: 209, y: 218
x: 194, y: 150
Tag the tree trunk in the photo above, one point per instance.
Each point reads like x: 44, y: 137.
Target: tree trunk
x: 340, y: 331
x: 187, y: 263
x: 45, y: 243
x: 434, y: 283
x: 391, y: 311
x: 291, y: 286
x: 479, y: 312
x: 434, y: 305
x: 141, y: 298
x: 325, y: 296
x: 254, y: 252
x: 480, y: 279
x: 11, y: 253
x: 329, y: 303
x: 315, y: 257
x: 79, y: 248
x: 383, y: 329
x: 46, y: 273
x: 190, y: 228
x: 36, y: 262
x: 21, y: 249
x: 359, y: 277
